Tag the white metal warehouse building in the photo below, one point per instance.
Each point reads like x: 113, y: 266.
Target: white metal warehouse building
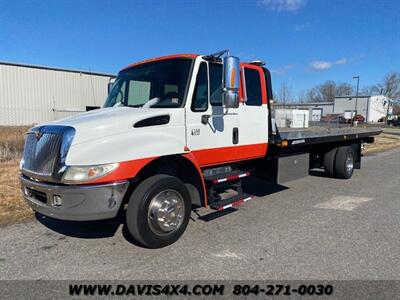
x: 372, y: 108
x: 32, y: 94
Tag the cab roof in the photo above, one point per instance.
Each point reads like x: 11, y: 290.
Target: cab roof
x: 185, y: 55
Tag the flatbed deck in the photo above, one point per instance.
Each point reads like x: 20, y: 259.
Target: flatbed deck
x: 323, y: 134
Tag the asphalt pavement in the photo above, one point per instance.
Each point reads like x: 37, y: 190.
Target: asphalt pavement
x: 311, y: 228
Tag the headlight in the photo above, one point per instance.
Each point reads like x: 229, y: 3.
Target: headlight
x: 78, y: 174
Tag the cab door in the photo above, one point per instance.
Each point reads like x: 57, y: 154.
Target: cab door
x: 219, y: 138
x: 253, y: 112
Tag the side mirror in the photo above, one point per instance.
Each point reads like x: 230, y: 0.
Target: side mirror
x: 231, y: 81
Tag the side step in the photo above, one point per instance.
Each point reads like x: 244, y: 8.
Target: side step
x: 227, y: 176
x: 231, y: 201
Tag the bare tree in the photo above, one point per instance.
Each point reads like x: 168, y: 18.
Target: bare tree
x: 324, y: 92
x: 344, y: 89
x: 313, y: 95
x: 391, y: 85
x: 284, y: 94
x: 302, y: 96
x: 275, y: 96
x: 371, y: 90
x: 327, y: 91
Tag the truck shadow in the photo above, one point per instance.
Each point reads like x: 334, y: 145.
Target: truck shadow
x: 89, y: 229
x: 261, y: 188
x: 108, y: 228
x: 318, y: 173
x: 82, y: 229
x: 251, y: 186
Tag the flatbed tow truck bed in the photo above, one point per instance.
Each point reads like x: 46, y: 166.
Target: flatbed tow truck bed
x: 322, y: 134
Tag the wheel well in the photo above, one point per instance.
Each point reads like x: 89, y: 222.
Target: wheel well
x: 177, y: 166
x: 318, y: 151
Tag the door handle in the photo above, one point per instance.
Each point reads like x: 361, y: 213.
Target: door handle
x: 235, y: 135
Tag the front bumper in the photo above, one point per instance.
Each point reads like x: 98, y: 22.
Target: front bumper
x: 78, y: 203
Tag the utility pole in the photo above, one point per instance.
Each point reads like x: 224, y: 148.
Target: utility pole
x: 358, y: 82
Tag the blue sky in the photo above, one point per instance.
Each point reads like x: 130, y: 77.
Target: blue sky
x: 304, y: 42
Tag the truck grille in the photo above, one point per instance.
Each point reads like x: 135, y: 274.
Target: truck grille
x: 41, y: 153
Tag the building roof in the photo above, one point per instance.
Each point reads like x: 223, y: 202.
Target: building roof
x: 54, y: 68
x: 304, y: 104
x: 354, y: 96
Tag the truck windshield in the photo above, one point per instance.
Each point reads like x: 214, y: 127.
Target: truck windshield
x: 154, y: 84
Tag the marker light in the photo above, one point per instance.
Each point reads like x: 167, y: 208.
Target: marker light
x: 57, y: 200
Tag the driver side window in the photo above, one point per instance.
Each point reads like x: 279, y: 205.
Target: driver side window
x: 215, y: 84
x: 200, y: 94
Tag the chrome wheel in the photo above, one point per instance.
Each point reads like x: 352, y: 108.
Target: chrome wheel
x: 166, y: 212
x: 349, y: 163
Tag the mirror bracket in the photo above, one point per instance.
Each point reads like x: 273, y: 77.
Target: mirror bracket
x: 205, y: 118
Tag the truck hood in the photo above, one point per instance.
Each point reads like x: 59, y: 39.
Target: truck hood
x: 105, y: 122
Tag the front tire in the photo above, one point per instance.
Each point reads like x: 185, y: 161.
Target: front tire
x: 158, y: 211
x: 344, y: 162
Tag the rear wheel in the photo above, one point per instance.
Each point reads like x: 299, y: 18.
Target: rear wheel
x: 329, y: 162
x: 158, y: 211
x: 344, y: 162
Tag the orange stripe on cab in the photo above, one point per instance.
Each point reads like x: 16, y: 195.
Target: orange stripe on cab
x: 126, y: 170
x: 215, y: 156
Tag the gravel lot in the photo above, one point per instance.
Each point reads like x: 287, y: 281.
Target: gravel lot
x: 312, y: 228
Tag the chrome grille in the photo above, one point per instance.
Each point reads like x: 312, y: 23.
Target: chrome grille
x: 41, y: 153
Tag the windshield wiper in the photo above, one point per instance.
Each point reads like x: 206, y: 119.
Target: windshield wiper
x: 148, y: 104
x: 138, y: 105
x: 151, y: 102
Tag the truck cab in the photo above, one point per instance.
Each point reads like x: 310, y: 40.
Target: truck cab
x: 174, y: 133
x: 190, y: 88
